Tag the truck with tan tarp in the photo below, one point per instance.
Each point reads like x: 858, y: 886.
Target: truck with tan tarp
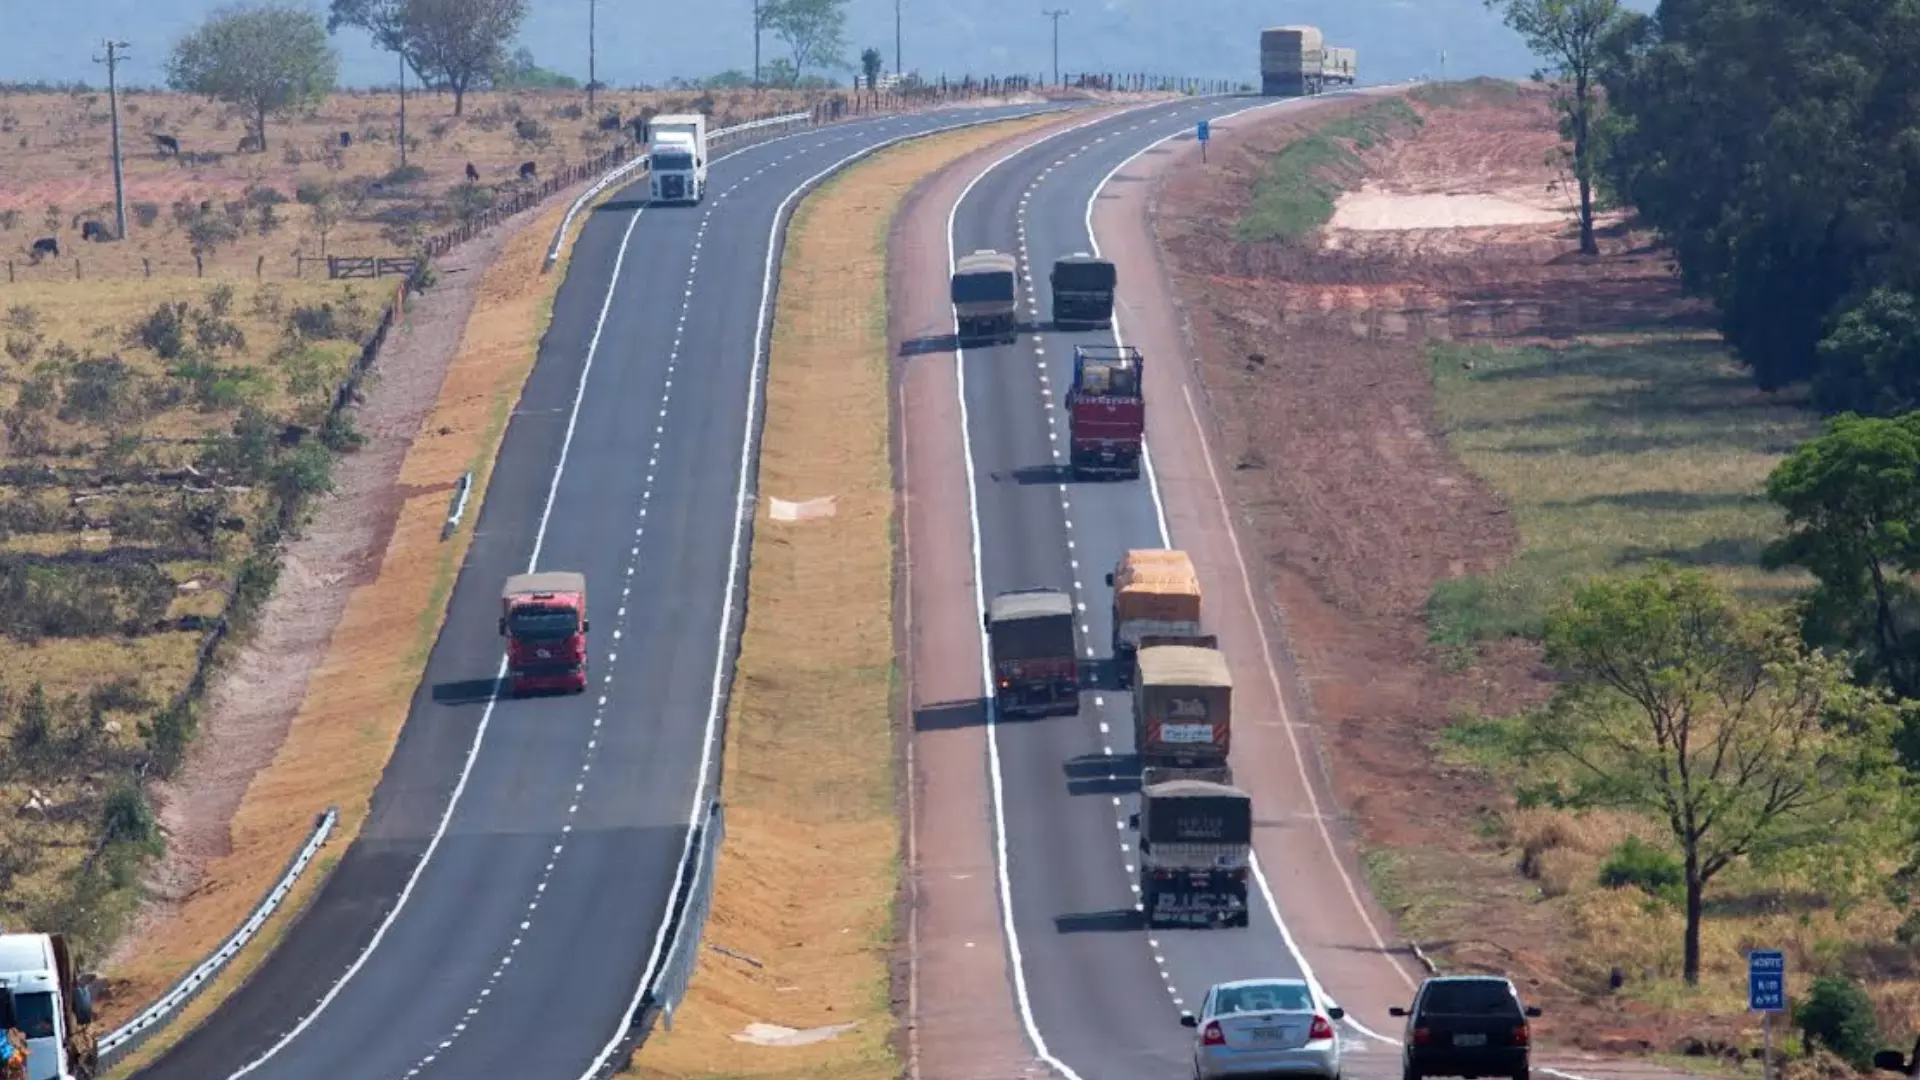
x: 1292, y: 59
x: 984, y: 292
x: 1182, y: 713
x: 1156, y: 594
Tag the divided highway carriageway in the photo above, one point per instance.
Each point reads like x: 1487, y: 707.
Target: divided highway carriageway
x: 498, y: 911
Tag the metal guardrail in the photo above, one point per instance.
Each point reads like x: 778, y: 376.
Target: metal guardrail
x: 461, y: 490
x: 638, y: 165
x: 124, y: 1039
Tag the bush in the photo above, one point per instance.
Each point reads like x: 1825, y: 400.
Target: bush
x: 100, y: 390
x: 168, y: 734
x: 39, y: 599
x: 1639, y: 865
x: 1838, y: 1014
x: 401, y: 175
x: 146, y: 213
x: 127, y: 818
x: 164, y: 330
x: 528, y: 130
x: 319, y: 322
x: 34, y: 729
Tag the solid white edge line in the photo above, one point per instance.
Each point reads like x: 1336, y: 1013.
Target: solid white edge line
x: 743, y: 513
x: 1017, y: 961
x: 486, y: 715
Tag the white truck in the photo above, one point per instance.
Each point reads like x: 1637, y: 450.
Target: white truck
x: 677, y: 158
x: 45, y: 1010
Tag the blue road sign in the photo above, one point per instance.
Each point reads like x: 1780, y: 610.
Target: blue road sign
x: 1767, y: 981
x: 1202, y: 133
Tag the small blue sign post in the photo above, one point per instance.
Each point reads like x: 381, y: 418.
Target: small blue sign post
x: 1202, y: 133
x: 1767, y: 995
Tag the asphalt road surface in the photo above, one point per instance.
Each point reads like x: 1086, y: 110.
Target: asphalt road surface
x: 1106, y: 993
x: 524, y: 933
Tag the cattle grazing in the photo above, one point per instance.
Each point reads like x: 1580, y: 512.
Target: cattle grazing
x: 473, y: 174
x: 610, y: 122
x: 166, y: 144
x: 248, y: 144
x: 46, y: 245
x: 206, y: 206
x: 526, y: 170
x: 346, y: 139
x: 95, y: 231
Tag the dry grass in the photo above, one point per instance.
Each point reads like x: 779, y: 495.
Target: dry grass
x: 55, y: 172
x: 358, y: 699
x: 809, y: 760
x: 82, y: 392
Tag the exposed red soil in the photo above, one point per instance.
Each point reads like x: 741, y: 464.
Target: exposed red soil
x: 1312, y: 362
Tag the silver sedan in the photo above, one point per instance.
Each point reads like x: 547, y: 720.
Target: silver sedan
x: 1265, y: 1027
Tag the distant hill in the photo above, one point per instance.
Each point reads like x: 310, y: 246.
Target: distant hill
x: 1397, y: 39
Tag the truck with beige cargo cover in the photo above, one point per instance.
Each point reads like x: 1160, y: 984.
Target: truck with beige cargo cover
x: 984, y: 294
x: 1030, y: 641
x: 1195, y: 848
x: 1291, y: 61
x: 1156, y: 595
x: 46, y: 1011
x: 1339, y: 66
x: 544, y: 619
x: 1182, y: 713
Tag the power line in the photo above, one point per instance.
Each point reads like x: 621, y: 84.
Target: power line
x: 115, y: 54
x: 1055, y: 15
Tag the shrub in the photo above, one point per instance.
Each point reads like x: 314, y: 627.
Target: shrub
x: 339, y: 434
x: 100, y: 389
x: 24, y: 318
x: 33, y: 730
x: 21, y: 347
x: 1838, y: 1014
x: 401, y: 175
x: 146, y: 213
x: 469, y: 202
x: 213, y: 333
x: 220, y: 300
x: 321, y: 322
x: 41, y: 599
x: 127, y: 818
x: 1636, y: 864
x: 528, y: 130
x: 168, y: 734
x: 164, y: 330
x: 122, y: 694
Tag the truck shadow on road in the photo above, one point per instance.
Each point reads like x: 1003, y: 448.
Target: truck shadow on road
x: 1119, y: 920
x: 952, y: 715
x: 467, y: 691
x: 1037, y: 474
x: 1099, y: 774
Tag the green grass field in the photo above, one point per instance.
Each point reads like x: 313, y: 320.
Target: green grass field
x: 1608, y: 455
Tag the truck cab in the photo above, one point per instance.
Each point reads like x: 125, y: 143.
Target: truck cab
x: 1195, y: 842
x: 1082, y: 292
x: 544, y: 619
x: 1030, y: 638
x: 677, y: 158
x: 1107, y: 411
x: 42, y: 999
x: 983, y: 293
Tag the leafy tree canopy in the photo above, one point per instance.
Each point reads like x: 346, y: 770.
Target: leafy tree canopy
x: 265, y: 58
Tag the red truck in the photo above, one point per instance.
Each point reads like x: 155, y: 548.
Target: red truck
x: 1106, y: 411
x: 1030, y: 638
x: 544, y: 619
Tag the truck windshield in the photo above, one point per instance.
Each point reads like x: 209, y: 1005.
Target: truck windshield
x: 1110, y: 380
x: 672, y: 160
x: 982, y: 287
x: 543, y: 624
x: 33, y: 1015
x: 1047, y: 637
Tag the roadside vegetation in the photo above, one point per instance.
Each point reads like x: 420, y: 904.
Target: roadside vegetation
x: 1722, y: 589
x: 1296, y: 194
x: 794, y: 978
x: 159, y: 441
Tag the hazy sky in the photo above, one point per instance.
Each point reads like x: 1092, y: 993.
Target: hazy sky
x: 650, y: 41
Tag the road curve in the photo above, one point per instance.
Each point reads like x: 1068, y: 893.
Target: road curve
x: 513, y: 877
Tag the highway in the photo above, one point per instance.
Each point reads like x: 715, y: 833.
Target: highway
x: 511, y: 884
x: 1105, y: 994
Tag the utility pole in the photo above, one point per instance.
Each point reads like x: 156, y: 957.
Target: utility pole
x: 592, y: 11
x: 1055, y: 16
x: 112, y: 60
x: 756, y: 44
x: 897, y: 69
x: 403, y: 108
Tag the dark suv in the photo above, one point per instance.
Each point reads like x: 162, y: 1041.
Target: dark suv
x: 1468, y: 1026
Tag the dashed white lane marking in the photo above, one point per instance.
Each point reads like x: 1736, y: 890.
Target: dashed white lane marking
x: 600, y: 706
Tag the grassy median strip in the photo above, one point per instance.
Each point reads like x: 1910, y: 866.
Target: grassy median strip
x: 802, y: 923
x: 358, y: 699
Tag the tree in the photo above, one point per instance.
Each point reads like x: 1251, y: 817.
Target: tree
x: 1765, y: 140
x: 870, y: 65
x: 521, y: 72
x: 383, y: 20
x: 265, y: 58
x: 1717, y: 722
x: 1570, y: 35
x: 813, y: 30
x: 461, y: 43
x: 1852, y: 502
